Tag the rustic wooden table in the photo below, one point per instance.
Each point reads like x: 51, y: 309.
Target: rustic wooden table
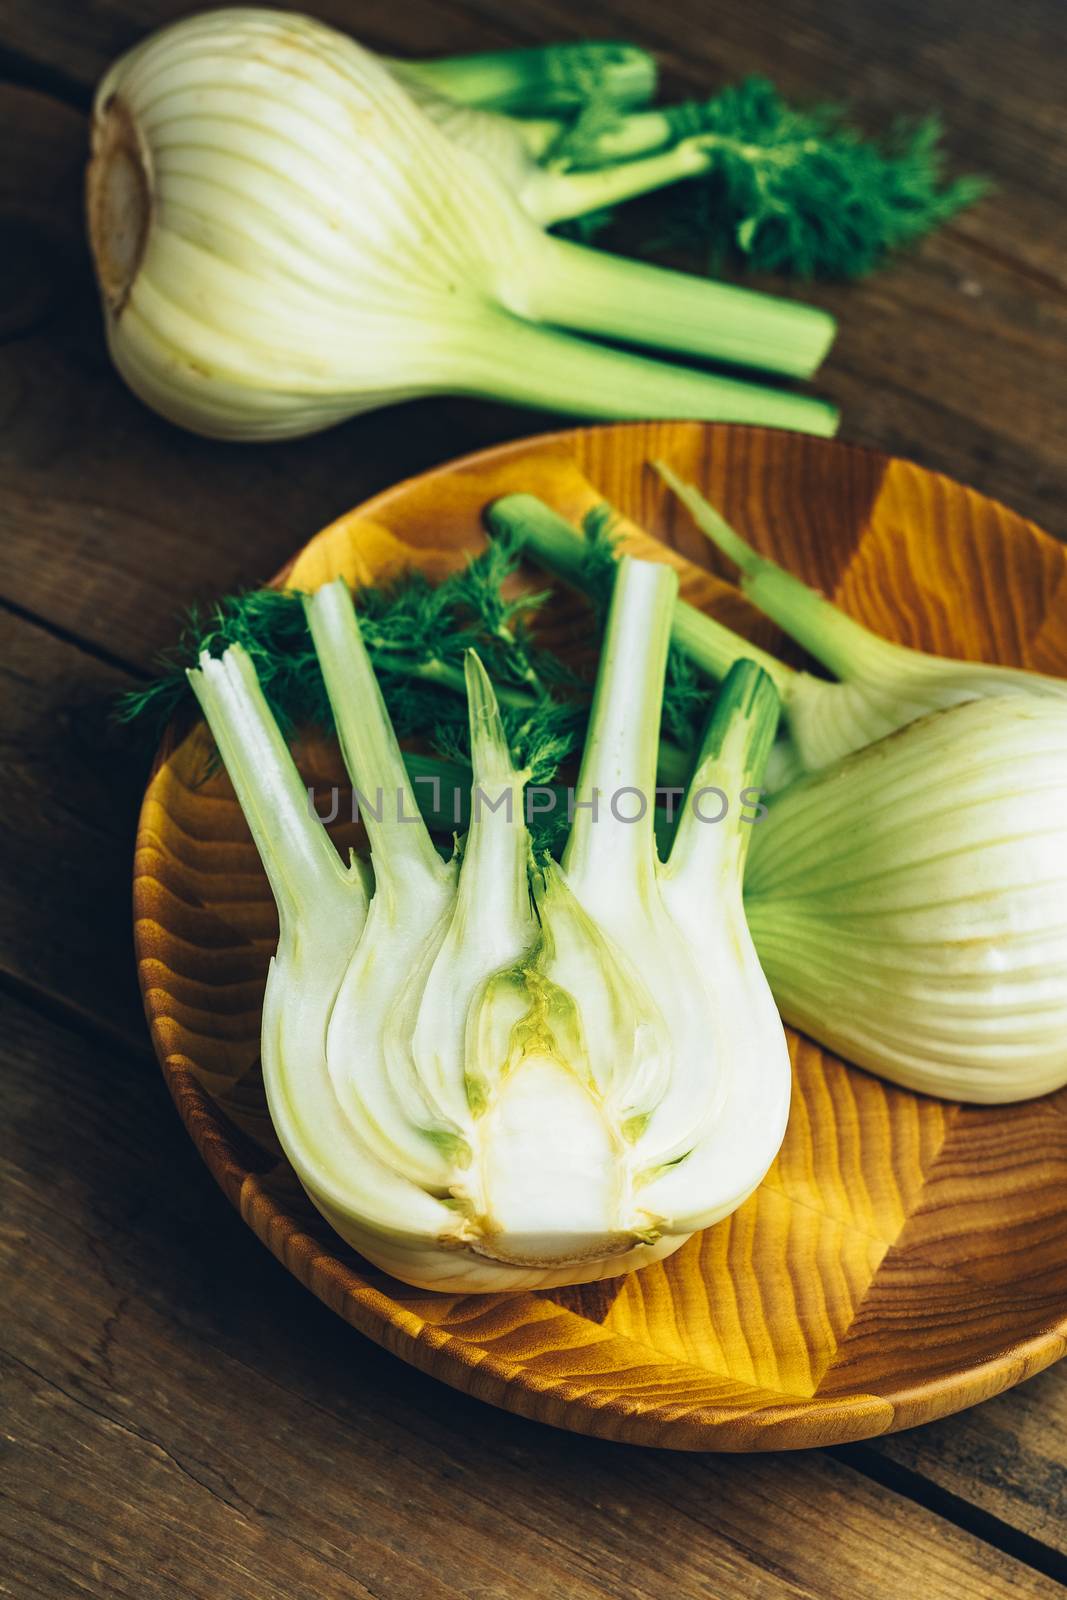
x: 181, y: 1418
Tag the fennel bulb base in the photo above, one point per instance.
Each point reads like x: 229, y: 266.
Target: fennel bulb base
x: 118, y: 202
x: 468, y: 1269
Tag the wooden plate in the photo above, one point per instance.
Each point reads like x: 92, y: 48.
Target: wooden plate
x: 904, y: 1257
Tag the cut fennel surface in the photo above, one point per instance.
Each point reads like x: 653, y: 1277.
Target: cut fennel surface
x: 498, y: 1071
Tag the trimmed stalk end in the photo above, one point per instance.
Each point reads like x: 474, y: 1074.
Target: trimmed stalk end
x: 490, y: 755
x: 733, y: 756
x: 608, y: 69
x: 306, y: 874
x: 540, y: 530
x: 623, y: 739
x: 743, y: 723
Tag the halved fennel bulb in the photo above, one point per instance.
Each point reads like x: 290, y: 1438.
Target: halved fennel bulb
x: 909, y: 903
x: 499, y: 1072
x: 283, y: 238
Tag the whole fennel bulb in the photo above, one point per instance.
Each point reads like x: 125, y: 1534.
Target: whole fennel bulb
x: 908, y: 902
x: 283, y: 238
x: 499, y: 1072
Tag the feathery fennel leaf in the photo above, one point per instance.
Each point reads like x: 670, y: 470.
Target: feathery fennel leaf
x: 791, y: 190
x: 416, y: 634
x: 270, y: 625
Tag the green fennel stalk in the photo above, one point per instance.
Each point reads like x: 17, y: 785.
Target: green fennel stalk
x: 880, y: 687
x: 540, y: 79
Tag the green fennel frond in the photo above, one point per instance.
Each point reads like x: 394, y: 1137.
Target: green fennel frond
x: 802, y: 191
x: 416, y: 634
x: 686, y: 697
x: 269, y: 624
x: 792, y: 190
x: 541, y: 737
x: 544, y: 738
x: 600, y: 559
x: 422, y: 710
x: 500, y: 621
x: 414, y: 630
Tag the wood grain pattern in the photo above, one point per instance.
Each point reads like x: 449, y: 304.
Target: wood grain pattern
x: 69, y: 781
x: 904, y: 1257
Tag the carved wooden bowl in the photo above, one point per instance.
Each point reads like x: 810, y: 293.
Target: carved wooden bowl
x: 904, y: 1257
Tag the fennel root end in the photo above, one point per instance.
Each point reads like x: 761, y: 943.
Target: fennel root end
x: 118, y: 197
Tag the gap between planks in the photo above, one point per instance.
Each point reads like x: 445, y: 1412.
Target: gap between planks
x: 963, y: 1514
x: 20, y: 71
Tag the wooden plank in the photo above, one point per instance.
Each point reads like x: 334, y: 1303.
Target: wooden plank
x: 111, y: 529
x: 1010, y: 58
x: 1008, y: 1457
x: 81, y: 42
x: 71, y: 784
x: 183, y: 1420
x: 67, y: 842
